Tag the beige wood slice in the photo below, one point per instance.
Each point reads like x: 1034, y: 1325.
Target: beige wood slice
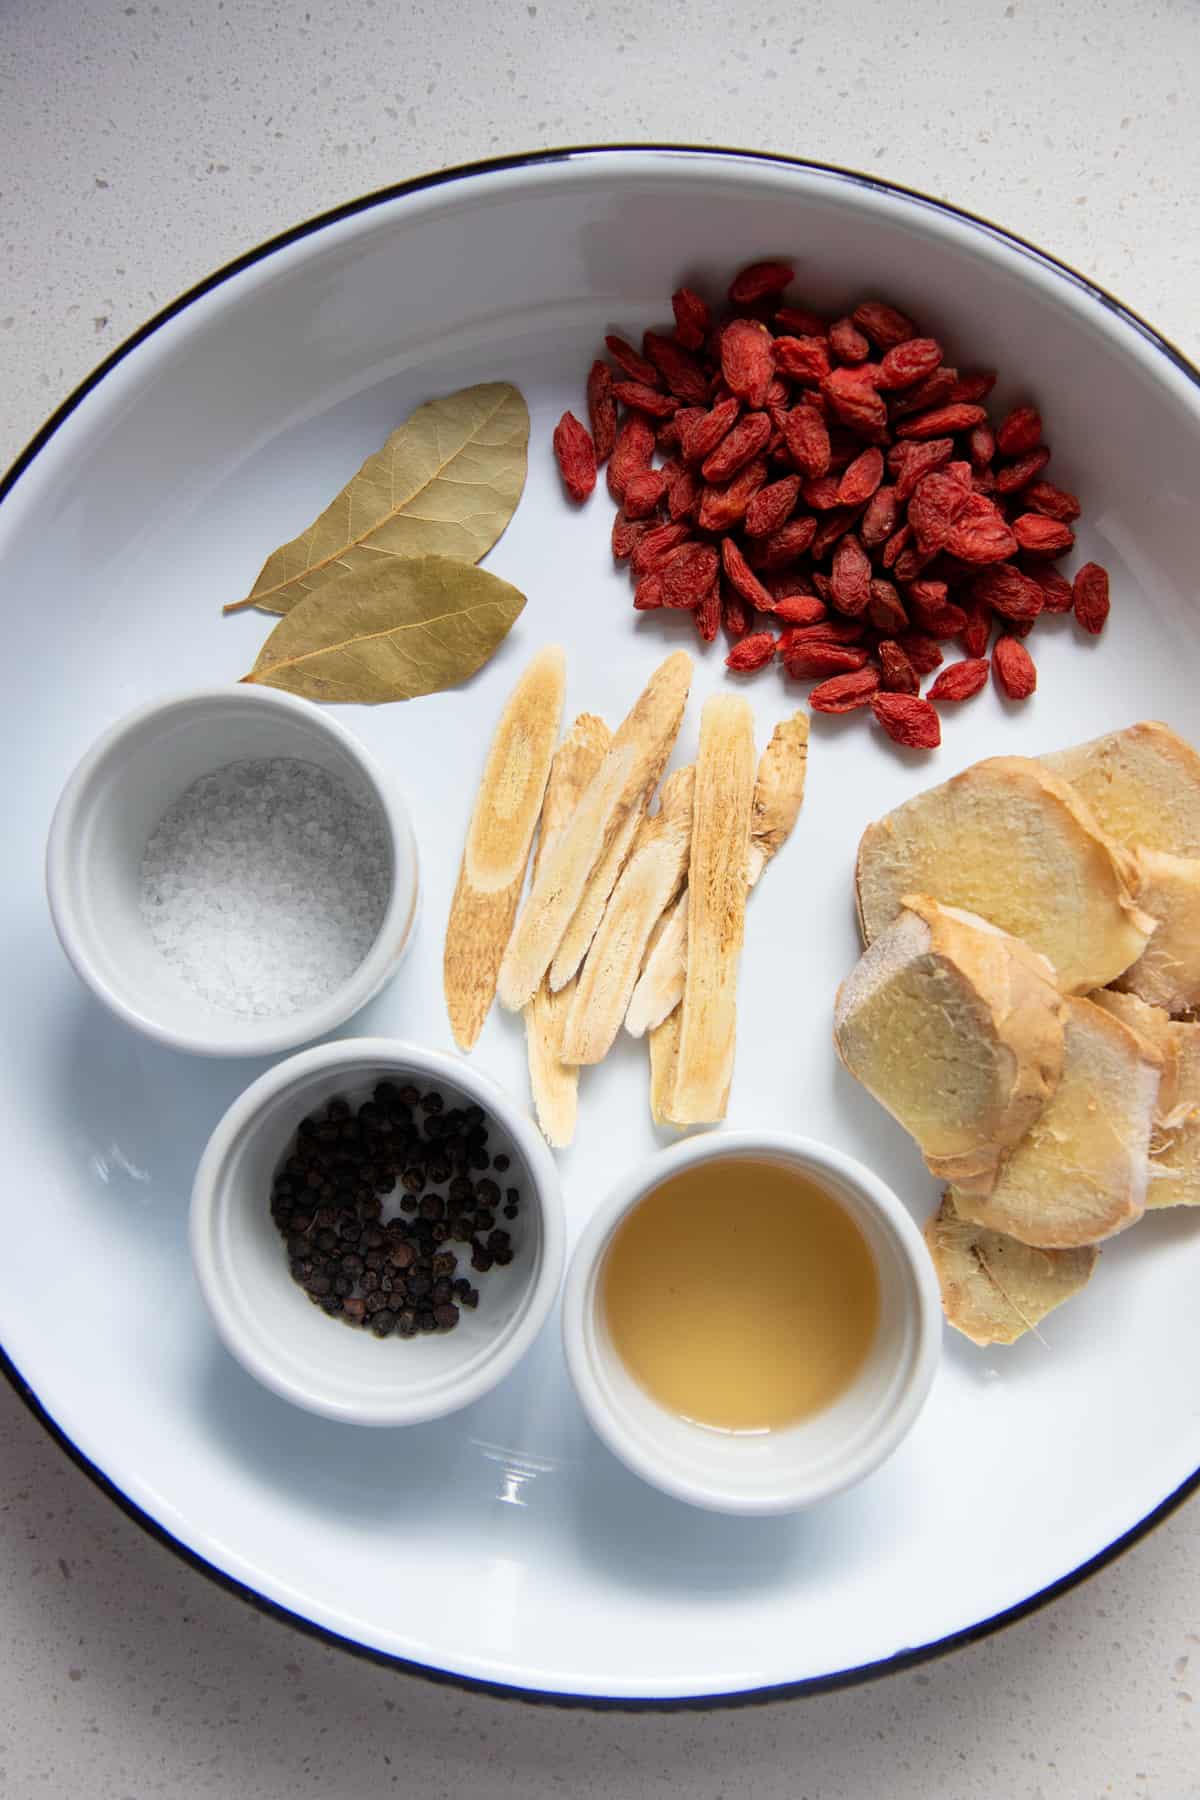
x: 663, y: 1045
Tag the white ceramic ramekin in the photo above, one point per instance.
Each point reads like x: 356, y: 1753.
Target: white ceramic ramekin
x: 777, y: 1471
x: 271, y: 1326
x: 113, y: 801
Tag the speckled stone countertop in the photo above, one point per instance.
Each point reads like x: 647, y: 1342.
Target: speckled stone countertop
x: 145, y: 143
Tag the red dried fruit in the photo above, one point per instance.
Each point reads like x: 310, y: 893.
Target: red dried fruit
x: 576, y: 456
x: 1013, y: 669
x: 735, y: 614
x: 1008, y: 591
x: 803, y: 358
x: 897, y: 674
x: 648, y: 594
x: 721, y: 508
x: 936, y: 503
x: 692, y: 318
x: 700, y: 432
x: 635, y: 366
x: 883, y: 324
x: 747, y: 361
x: 654, y: 546
x: 771, y: 506
x: 799, y: 609
x: 980, y: 534
x: 641, y: 398
x: 1055, y: 502
x: 683, y: 494
x: 1091, y: 597
x: 753, y: 652
x: 1016, y: 475
x: 935, y: 390
x: 879, y: 520
x: 850, y: 577
x: 740, y: 577
x: 981, y: 446
x: 830, y: 631
x: 677, y: 368
x: 632, y: 454
x: 783, y: 584
x: 974, y: 386
x: 853, y: 399
x: 886, y: 610
x: 707, y: 615
x: 666, y: 434
x: 911, y: 562
x: 1021, y: 431
x: 861, y: 478
x: 807, y: 439
x: 941, y: 421
x: 688, y: 574
x: 736, y: 448
x: 922, y: 651
x: 958, y: 681
x: 814, y: 660
x: 910, y: 463
x: 800, y: 322
x: 909, y: 362
x: 625, y: 534
x: 1040, y: 536
x: 757, y: 280
x: 821, y: 492
x: 847, y: 342
x: 895, y: 547
x: 1058, y: 596
x: 832, y: 526
x: 785, y: 545
x: 845, y: 693
x: 978, y: 628
x: 822, y: 586
x: 963, y: 474
x: 602, y: 410
x: 643, y: 493
x: 908, y: 720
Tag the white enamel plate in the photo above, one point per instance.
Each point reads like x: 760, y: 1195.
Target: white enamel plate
x: 505, y: 1545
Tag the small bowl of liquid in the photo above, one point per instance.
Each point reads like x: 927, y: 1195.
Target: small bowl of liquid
x: 752, y: 1322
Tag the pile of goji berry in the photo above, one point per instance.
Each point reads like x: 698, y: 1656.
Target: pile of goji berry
x: 839, y: 479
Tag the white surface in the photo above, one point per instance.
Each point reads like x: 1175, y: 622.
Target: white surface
x: 209, y: 130
x: 775, y: 1471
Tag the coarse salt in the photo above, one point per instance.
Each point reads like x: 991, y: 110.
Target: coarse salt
x: 265, y: 884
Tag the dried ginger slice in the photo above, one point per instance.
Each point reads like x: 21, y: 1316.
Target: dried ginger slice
x: 499, y: 836
x: 628, y: 774
x: 994, y: 1288
x: 553, y: 1083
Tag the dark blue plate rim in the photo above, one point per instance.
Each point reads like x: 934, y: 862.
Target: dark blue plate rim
x: 904, y: 1659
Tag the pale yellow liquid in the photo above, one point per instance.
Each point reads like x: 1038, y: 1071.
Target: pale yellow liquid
x: 741, y: 1295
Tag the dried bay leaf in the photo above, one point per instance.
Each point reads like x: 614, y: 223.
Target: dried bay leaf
x: 446, y: 483
x: 409, y: 626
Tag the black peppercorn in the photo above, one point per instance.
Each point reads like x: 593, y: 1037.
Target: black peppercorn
x: 500, y: 1163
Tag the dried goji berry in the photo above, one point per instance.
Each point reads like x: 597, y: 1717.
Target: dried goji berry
x: 1058, y: 596
x: 941, y: 421
x: 643, y: 493
x: 655, y: 545
x: 741, y: 578
x: 939, y: 621
x: 799, y: 609
x: 935, y: 390
x: 707, y: 615
x: 980, y: 534
x: 832, y: 526
x: 845, y: 693
x: 641, y: 398
x: 847, y: 342
x: 576, y: 456
x: 973, y: 387
x: 897, y: 674
x: 747, y: 361
x: 807, y: 439
x: 958, y: 681
x: 844, y: 632
x: 1013, y: 669
x: 683, y: 494
x: 1055, y: 502
x: 886, y: 610
x: 908, y: 720
x: 879, y: 520
x: 758, y: 280
x: 648, y: 594
x: 1016, y: 475
x: 785, y: 545
x: 909, y: 362
x: 677, y: 367
x: 895, y: 547
x: 700, y: 432
x: 803, y: 358
x: 625, y: 534
x: 1091, y: 597
x: 635, y: 366
x: 813, y: 661
x: 910, y: 463
x: 692, y: 318
x: 861, y: 478
x: 823, y: 587
x: 1008, y: 591
x: 922, y: 651
x: 735, y: 614
x: 1040, y: 536
x: 852, y: 395
x: 753, y: 652
x: 721, y: 508
x: 911, y: 562
x: 1021, y: 431
x: 981, y: 446
x: 821, y: 492
x: 736, y: 448
x: 850, y: 576
x: 800, y: 322
x: 883, y: 324
x: 771, y: 506
x: 937, y: 501
x: 632, y: 454
x: 602, y: 410
x: 978, y: 628
x: 784, y: 584
x: 688, y: 574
